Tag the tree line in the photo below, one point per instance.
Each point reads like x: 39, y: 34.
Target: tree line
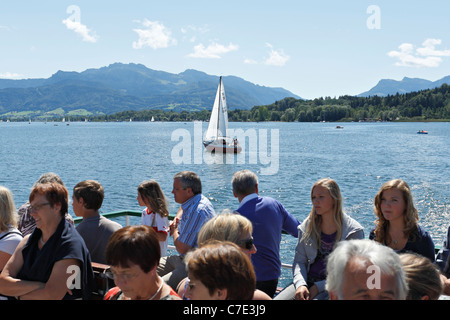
x: 432, y: 104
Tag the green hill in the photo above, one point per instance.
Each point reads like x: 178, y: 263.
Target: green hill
x: 123, y: 87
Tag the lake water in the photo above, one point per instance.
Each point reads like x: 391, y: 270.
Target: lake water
x: 360, y: 157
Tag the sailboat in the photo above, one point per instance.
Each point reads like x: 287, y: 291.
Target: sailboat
x: 216, y: 139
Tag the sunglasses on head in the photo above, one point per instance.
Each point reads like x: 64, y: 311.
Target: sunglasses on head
x: 247, y: 243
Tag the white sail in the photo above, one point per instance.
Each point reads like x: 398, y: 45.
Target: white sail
x: 218, y: 123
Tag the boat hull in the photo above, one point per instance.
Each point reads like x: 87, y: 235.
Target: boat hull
x: 222, y: 148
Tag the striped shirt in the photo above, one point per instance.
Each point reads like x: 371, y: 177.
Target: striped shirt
x: 196, y: 212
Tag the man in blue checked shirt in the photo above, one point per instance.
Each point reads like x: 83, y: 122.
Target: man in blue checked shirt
x: 194, y: 212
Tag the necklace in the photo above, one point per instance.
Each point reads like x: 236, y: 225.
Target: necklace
x: 159, y: 289
x: 42, y: 241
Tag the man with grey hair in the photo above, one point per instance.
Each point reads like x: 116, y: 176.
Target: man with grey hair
x: 365, y: 270
x: 194, y: 212
x: 269, y: 219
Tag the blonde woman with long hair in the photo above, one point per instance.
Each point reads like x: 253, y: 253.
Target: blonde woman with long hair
x: 397, y: 225
x: 326, y: 225
x: 232, y: 227
x: 10, y: 237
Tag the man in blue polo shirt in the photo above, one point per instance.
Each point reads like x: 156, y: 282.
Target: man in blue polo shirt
x: 269, y: 219
x: 194, y: 212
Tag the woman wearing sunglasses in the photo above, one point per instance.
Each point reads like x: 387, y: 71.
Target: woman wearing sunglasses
x: 231, y: 227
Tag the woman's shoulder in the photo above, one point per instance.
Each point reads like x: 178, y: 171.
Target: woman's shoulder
x: 351, y: 222
x: 11, y: 234
x: 9, y: 240
x: 70, y: 240
x: 302, y: 226
x: 421, y: 230
x: 422, y: 233
x: 169, y: 294
x: 159, y: 216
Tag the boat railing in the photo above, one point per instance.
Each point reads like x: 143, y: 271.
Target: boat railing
x: 135, y: 213
x: 118, y: 214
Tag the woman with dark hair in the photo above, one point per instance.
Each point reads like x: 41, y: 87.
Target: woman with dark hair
x: 397, y: 225
x: 133, y: 253
x: 220, y: 271
x: 53, y: 262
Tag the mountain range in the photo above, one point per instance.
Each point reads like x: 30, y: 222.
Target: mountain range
x: 387, y: 87
x: 120, y: 87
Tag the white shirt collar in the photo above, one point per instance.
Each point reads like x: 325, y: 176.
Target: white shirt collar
x: 247, y: 198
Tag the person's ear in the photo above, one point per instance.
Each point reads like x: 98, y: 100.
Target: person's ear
x: 221, y: 294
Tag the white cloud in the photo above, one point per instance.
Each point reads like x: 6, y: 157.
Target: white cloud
x: 10, y: 75
x: 81, y: 29
x: 276, y: 57
x: 250, y: 61
x: 201, y: 30
x: 191, y: 32
x: 213, y: 51
x: 155, y: 35
x: 425, y: 56
x: 429, y: 49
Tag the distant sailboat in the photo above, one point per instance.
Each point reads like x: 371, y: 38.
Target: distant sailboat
x: 216, y: 139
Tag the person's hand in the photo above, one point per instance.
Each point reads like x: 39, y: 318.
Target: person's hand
x: 173, y: 225
x: 313, y: 292
x: 302, y: 293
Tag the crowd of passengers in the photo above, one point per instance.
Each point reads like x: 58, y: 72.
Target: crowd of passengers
x: 234, y: 255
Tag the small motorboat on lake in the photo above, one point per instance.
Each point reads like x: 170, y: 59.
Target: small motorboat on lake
x: 422, y: 132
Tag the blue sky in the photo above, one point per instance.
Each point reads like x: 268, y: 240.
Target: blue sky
x: 312, y: 48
